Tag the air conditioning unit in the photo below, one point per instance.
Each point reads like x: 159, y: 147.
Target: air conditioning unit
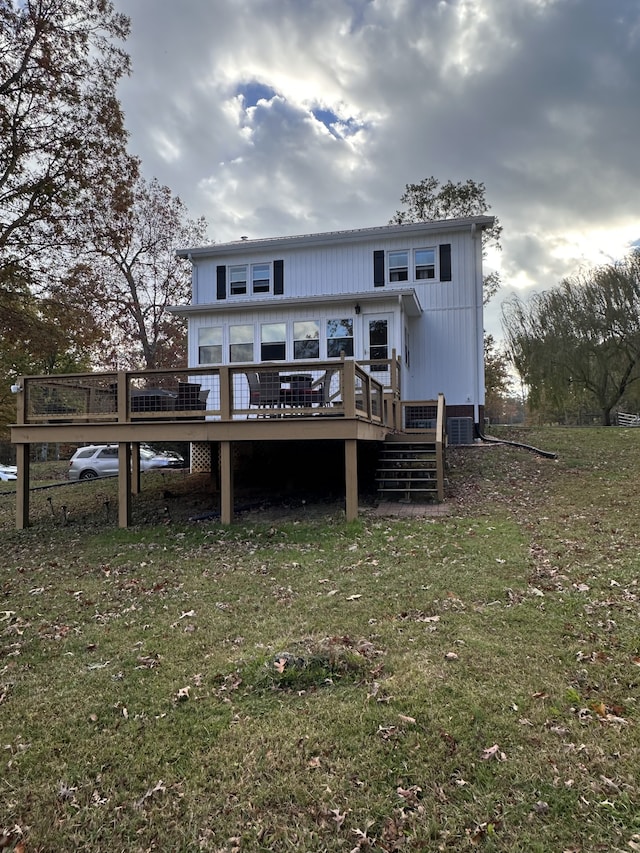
x: 460, y: 430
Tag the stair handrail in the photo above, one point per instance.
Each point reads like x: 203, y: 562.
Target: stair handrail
x: 440, y: 445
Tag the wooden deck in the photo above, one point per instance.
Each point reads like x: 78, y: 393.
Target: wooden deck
x: 341, y: 401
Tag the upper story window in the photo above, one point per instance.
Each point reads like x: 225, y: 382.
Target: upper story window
x: 250, y: 279
x: 260, y: 278
x: 398, y: 266
x: 210, y: 345
x: 238, y: 280
x: 412, y: 265
x: 425, y: 263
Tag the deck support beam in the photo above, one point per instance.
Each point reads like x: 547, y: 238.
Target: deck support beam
x: 22, y: 486
x: 226, y: 482
x: 124, y: 484
x: 351, y: 478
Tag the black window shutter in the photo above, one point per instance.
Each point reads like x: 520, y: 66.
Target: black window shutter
x: 378, y: 268
x: 221, y: 282
x: 445, y: 262
x: 278, y: 277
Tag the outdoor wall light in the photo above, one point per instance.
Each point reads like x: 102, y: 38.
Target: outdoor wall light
x: 16, y: 389
x: 357, y: 308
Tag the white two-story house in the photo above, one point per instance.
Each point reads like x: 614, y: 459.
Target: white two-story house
x: 410, y: 290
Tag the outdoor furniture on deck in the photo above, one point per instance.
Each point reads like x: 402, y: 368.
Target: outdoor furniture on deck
x: 153, y: 400
x: 319, y: 393
x: 294, y: 388
x: 190, y: 398
x: 264, y: 389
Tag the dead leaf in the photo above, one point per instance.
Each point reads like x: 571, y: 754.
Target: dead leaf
x: 354, y: 597
x: 159, y: 788
x: 406, y: 719
x: 451, y: 656
x: 338, y: 817
x: 183, y: 694
x: 493, y: 752
x: 314, y: 762
x: 280, y: 664
x: 411, y: 795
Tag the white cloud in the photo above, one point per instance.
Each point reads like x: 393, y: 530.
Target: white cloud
x: 273, y: 119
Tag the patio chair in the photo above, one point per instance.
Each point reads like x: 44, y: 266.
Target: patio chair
x: 320, y: 393
x: 269, y: 389
x: 264, y: 389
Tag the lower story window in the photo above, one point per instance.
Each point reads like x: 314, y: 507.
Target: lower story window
x: 339, y: 338
x: 240, y: 343
x: 210, y: 345
x: 273, y: 341
x: 306, y: 339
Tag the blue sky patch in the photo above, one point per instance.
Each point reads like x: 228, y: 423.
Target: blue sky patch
x: 254, y: 92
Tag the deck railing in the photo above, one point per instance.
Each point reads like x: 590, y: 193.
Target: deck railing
x: 342, y: 388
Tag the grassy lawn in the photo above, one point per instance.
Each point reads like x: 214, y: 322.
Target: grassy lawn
x: 468, y: 682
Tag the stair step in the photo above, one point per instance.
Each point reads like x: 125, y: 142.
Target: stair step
x: 404, y: 491
x: 405, y: 471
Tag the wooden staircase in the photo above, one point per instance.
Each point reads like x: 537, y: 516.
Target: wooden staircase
x: 411, y: 463
x: 408, y: 469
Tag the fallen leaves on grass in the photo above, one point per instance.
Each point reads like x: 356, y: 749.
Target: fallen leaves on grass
x: 410, y: 795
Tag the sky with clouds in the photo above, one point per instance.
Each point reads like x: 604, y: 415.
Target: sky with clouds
x: 279, y: 117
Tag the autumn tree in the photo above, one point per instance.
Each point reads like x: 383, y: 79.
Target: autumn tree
x: 497, y: 380
x: 60, y: 118
x: 130, y: 275
x: 579, y: 344
x: 429, y: 200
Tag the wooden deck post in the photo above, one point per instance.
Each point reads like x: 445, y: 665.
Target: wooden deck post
x: 226, y: 482
x: 135, y: 468
x: 351, y: 478
x: 22, y: 486
x: 122, y: 397
x: 124, y: 484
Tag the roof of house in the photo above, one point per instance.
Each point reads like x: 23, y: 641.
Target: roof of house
x: 245, y: 245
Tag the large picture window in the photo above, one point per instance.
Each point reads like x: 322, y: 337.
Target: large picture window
x: 273, y: 341
x: 339, y: 338
x: 210, y: 345
x: 306, y: 339
x: 240, y: 343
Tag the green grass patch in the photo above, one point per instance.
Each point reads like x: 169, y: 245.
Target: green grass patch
x: 297, y: 683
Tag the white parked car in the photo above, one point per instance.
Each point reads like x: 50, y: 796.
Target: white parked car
x: 101, y: 460
x: 8, y: 472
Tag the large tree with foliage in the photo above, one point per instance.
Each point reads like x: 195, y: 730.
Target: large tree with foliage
x: 579, y: 343
x: 61, y: 134
x: 429, y: 200
x: 130, y: 275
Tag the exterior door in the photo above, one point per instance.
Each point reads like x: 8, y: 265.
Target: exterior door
x: 379, y: 344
